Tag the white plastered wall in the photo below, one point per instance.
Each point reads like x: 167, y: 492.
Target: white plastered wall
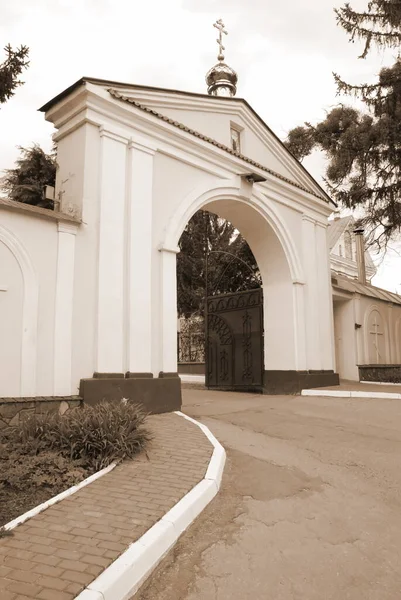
x: 28, y: 246
x: 390, y: 318
x: 346, y: 339
x: 11, y: 315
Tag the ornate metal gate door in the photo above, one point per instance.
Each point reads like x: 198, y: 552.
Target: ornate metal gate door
x: 234, y: 341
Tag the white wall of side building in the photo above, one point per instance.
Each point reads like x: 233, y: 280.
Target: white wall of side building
x: 355, y: 322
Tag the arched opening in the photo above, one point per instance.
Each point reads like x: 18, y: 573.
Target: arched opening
x: 219, y: 305
x: 279, y: 268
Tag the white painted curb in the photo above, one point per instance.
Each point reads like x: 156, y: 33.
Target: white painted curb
x: 380, y: 383
x: 125, y: 575
x: 192, y: 378
x: 350, y: 394
x: 72, y: 490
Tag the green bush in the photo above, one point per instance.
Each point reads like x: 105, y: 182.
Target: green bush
x: 94, y: 435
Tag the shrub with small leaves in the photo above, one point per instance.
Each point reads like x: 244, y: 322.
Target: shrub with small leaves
x: 27, y: 480
x: 47, y: 469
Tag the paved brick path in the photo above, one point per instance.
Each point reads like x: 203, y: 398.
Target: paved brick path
x: 55, y: 555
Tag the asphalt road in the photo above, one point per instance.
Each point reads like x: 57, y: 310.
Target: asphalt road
x: 309, y: 508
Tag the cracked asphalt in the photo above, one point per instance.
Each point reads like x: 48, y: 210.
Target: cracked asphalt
x: 309, y: 507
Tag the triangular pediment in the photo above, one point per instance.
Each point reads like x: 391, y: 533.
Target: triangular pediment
x: 214, y: 117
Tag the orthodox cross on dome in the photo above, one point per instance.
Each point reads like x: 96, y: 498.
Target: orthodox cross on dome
x: 221, y: 79
x: 220, y: 26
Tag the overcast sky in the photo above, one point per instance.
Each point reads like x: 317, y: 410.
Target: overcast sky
x: 284, y: 52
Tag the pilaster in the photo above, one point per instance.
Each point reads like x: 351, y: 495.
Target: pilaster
x: 325, y: 299
x: 298, y: 294
x: 110, y: 310
x: 168, y: 304
x: 63, y: 309
x: 313, y: 359
x: 140, y: 202
x: 391, y: 338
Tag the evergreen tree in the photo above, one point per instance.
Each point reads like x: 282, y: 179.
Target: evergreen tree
x: 35, y: 169
x: 363, y: 148
x: 231, y: 264
x: 380, y: 23
x: 10, y: 69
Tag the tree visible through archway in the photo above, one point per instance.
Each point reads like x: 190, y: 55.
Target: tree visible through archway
x: 231, y: 264
x: 230, y: 267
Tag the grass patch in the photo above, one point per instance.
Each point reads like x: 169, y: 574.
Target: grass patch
x: 47, y: 454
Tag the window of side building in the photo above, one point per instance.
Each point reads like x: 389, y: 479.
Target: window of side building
x: 348, y: 245
x: 235, y: 135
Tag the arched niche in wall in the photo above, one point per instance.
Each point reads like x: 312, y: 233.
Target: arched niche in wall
x: 375, y: 336
x: 398, y: 340
x: 27, y: 329
x: 348, y: 245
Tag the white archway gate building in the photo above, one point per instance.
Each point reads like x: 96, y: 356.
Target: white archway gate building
x: 135, y: 164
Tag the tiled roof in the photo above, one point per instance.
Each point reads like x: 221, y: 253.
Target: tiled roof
x: 336, y: 228
x: 334, y: 231
x: 208, y: 139
x: 354, y: 286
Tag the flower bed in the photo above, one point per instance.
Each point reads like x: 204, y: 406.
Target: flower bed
x: 46, y: 454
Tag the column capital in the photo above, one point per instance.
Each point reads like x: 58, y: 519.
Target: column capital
x: 64, y: 227
x: 113, y: 135
x: 142, y: 147
x: 308, y: 219
x: 172, y: 250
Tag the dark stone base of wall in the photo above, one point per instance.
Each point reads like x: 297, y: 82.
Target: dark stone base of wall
x: 191, y: 368
x: 15, y: 410
x: 156, y: 394
x: 292, y: 382
x: 380, y: 373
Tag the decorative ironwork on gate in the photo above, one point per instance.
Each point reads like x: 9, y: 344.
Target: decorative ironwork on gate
x: 234, y: 341
x: 191, y: 340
